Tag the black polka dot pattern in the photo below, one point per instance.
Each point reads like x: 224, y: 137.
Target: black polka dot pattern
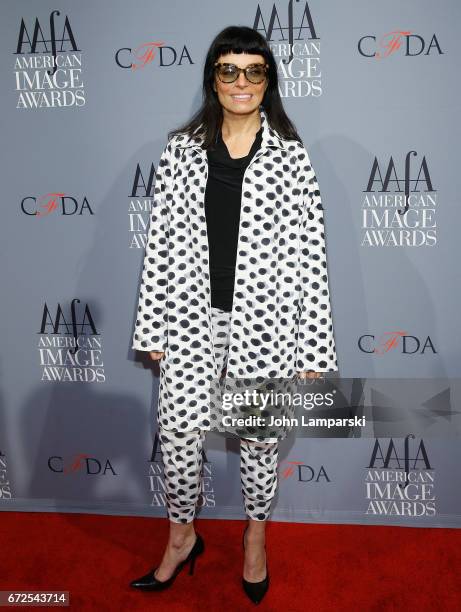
x: 182, y: 455
x: 281, y: 319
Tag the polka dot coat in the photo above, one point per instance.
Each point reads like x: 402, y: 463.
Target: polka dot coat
x: 281, y: 319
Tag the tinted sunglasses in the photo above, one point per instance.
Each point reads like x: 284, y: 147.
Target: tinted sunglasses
x: 228, y: 73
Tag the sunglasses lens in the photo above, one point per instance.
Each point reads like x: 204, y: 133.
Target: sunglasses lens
x: 256, y: 74
x: 230, y: 73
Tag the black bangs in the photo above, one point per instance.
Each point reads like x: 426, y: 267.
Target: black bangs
x: 234, y: 49
x: 240, y: 39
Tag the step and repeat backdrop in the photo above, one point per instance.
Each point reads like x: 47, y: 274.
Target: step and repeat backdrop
x: 90, y: 90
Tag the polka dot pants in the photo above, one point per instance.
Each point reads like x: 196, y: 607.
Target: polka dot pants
x: 182, y: 456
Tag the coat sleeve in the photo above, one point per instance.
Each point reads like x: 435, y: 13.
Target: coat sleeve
x: 316, y: 350
x: 150, y: 331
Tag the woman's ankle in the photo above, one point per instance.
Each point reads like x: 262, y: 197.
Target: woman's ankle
x: 256, y: 532
x: 181, y: 534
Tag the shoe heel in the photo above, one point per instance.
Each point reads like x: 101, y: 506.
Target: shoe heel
x: 197, y: 550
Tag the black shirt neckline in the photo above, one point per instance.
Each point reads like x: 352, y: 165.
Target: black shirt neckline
x: 221, y: 152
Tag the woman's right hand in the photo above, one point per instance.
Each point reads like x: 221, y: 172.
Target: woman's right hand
x: 155, y: 355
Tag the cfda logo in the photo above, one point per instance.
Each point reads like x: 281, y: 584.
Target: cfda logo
x: 301, y: 472
x: 395, y: 340
x: 403, y: 42
x: 152, y: 53
x: 81, y: 463
x: 55, y: 202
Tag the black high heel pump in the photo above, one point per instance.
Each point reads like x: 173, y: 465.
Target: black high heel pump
x: 150, y: 583
x: 255, y: 590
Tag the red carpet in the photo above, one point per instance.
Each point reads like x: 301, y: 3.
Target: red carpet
x: 312, y: 567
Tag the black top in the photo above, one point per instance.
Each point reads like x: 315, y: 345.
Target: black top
x: 222, y: 209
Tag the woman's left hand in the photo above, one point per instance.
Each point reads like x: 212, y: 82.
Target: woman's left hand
x: 309, y: 374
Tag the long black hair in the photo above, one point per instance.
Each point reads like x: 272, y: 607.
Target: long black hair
x: 237, y: 39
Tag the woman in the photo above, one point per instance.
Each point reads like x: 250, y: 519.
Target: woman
x: 234, y: 282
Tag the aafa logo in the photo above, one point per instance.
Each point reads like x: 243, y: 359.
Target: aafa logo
x: 296, y: 49
x: 399, y: 208
x: 48, y: 68
x: 400, y: 479
x: 140, y: 206
x: 70, y: 346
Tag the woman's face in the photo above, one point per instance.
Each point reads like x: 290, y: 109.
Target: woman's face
x: 240, y: 97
